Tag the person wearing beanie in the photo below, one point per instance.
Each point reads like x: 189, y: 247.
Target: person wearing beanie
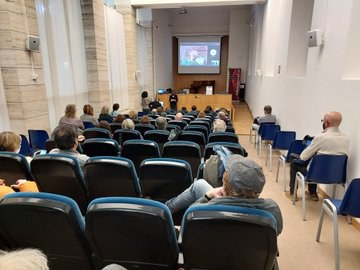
x: 243, y: 181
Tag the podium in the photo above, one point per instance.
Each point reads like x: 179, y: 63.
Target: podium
x: 199, y: 87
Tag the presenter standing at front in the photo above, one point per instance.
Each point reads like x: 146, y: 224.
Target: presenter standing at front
x: 173, y: 99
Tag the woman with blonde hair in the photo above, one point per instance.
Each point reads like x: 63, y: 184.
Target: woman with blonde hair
x: 104, y: 115
x: 10, y: 142
x: 88, y: 115
x: 70, y: 119
x: 128, y: 124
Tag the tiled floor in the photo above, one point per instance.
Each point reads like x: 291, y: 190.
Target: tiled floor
x: 297, y: 246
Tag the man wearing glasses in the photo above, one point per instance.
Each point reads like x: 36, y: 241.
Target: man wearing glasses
x: 330, y: 142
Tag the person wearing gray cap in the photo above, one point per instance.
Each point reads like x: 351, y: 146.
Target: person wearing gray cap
x: 243, y: 181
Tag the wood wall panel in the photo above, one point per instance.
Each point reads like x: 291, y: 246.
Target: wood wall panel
x: 182, y: 81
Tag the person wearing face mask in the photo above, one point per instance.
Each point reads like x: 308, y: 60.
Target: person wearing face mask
x: 330, y: 142
x: 11, y: 142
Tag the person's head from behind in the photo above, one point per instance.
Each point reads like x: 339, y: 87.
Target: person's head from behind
x: 179, y: 116
x: 267, y: 109
x: 133, y: 115
x: 331, y: 119
x: 208, y: 109
x: 10, y: 141
x: 65, y: 137
x: 127, y: 124
x: 159, y: 110
x: 88, y: 109
x: 222, y: 115
x: 154, y: 111
x: 243, y: 178
x: 116, y: 106
x: 104, y: 109
x: 219, y: 125
x: 201, y: 115
x: 70, y: 111
x: 183, y: 108
x: 119, y: 118
x: 145, y: 119
x: 105, y: 125
x: 144, y: 94
x: 25, y: 259
x: 160, y: 123
x: 193, y: 108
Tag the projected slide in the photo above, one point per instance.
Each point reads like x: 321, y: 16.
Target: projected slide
x: 199, y: 56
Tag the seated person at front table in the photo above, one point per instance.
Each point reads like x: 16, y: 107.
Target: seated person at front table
x: 67, y: 142
x: 243, y: 181
x: 155, y: 104
x: 267, y: 118
x: 330, y: 142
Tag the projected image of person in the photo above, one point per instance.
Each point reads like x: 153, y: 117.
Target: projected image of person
x: 194, y: 56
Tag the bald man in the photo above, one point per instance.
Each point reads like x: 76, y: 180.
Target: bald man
x: 179, y: 116
x: 330, y: 142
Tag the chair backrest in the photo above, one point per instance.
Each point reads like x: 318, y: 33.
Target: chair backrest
x: 180, y: 124
x: 223, y: 137
x: 192, y: 136
x: 123, y: 135
x: 351, y: 201
x: 100, y: 147
x: 97, y: 133
x: 235, y: 148
x: 327, y: 169
x: 25, y: 148
x: 50, y: 144
x: 38, y: 138
x: 283, y: 139
x: 138, y: 150
x: 269, y: 131
x: 115, y: 126
x: 201, y: 123
x: 199, y: 128
x: 184, y: 150
x: 49, y: 222
x: 159, y: 136
x: 13, y: 167
x: 164, y: 178
x: 88, y: 124
x: 230, y: 129
x: 244, y: 238
x: 296, y: 147
x: 60, y: 174
x: 111, y: 176
x: 143, y: 128
x: 133, y: 232
x: 262, y: 125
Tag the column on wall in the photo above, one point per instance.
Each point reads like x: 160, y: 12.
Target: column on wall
x: 22, y: 71
x: 96, y: 54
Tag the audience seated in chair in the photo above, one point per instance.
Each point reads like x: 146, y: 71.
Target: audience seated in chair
x: 160, y: 123
x: 88, y: 115
x: 243, y: 181
x: 67, y: 142
x: 267, y: 118
x: 70, y: 119
x: 219, y: 125
x: 28, y: 258
x: 104, y: 115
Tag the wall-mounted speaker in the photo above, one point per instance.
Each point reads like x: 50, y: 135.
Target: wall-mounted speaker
x: 315, y: 38
x: 33, y: 43
x: 144, y: 17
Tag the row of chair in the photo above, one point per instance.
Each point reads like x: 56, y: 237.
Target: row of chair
x: 137, y: 234
x: 322, y: 169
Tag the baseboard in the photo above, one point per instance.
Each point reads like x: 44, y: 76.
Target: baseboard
x: 354, y: 221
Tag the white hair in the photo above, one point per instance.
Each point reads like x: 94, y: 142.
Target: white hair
x: 114, y: 267
x: 219, y: 125
x: 25, y: 259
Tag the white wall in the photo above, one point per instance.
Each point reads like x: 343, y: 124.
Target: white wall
x: 162, y: 49
x: 300, y: 102
x: 239, y: 40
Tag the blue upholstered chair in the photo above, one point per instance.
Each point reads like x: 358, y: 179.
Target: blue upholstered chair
x: 296, y: 147
x: 164, y: 178
x: 193, y: 136
x: 88, y: 124
x: 223, y: 137
x: 143, y: 128
x: 100, y: 147
x: 123, y: 135
x: 158, y: 136
x: 235, y: 148
x: 111, y: 176
x: 133, y: 232
x: 349, y: 206
x: 49, y: 222
x: 199, y: 128
x: 180, y: 124
x: 60, y: 174
x: 97, y: 133
x: 323, y: 169
x: 25, y: 148
x: 13, y: 167
x: 114, y: 127
x: 184, y: 150
x: 38, y: 138
x: 267, y: 133
x: 282, y: 141
x: 241, y: 238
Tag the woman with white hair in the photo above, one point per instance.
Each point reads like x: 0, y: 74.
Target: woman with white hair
x: 25, y: 259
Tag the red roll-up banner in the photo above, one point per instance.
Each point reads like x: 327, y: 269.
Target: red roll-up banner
x: 234, y: 82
